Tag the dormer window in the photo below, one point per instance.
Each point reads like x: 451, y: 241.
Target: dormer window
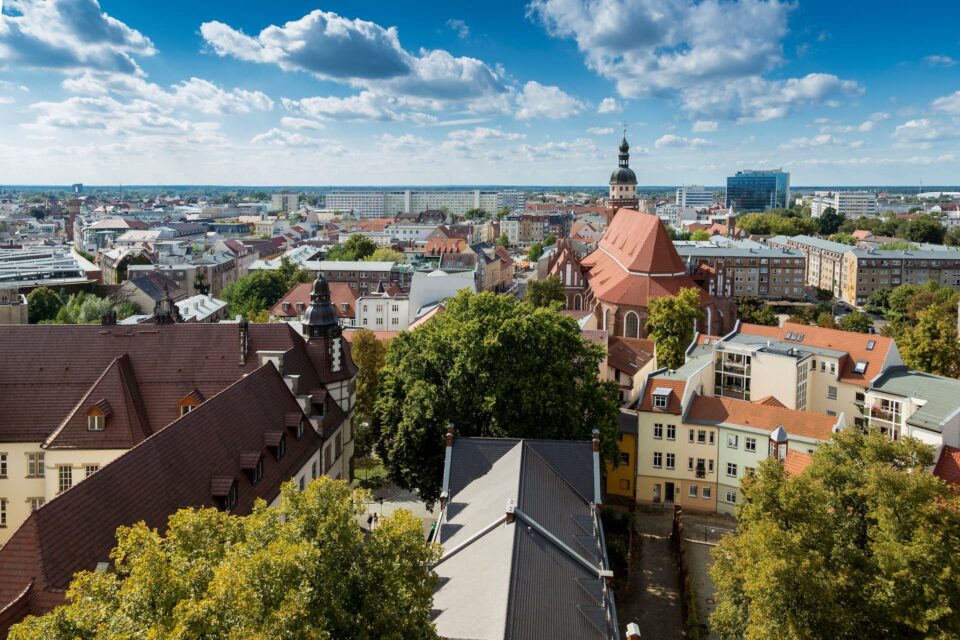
x: 277, y: 441
x: 190, y: 402
x: 282, y: 448
x: 97, y: 416
x: 224, y: 490
x: 286, y: 307
x: 252, y: 463
x: 661, y: 397
x: 258, y: 472
x: 300, y: 430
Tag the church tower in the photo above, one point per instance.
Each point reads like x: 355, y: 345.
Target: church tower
x: 623, y: 183
x: 320, y: 324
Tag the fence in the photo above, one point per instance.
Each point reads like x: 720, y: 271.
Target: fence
x: 706, y: 534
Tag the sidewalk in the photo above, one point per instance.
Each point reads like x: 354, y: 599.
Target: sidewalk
x: 396, y: 498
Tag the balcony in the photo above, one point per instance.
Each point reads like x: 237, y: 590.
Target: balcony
x: 884, y: 414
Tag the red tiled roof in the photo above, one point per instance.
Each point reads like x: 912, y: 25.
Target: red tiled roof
x: 380, y: 335
x: 770, y: 401
x: 948, y: 466
x: 861, y: 234
x: 854, y: 344
x: 713, y: 410
x: 676, y: 387
x: 185, y: 464
x: 796, y: 462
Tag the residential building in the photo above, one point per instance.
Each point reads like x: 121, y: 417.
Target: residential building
x: 376, y: 204
x: 694, y: 196
x: 851, y: 204
x: 621, y: 478
x: 202, y: 308
x: 430, y: 288
x: 13, y: 306
x: 284, y: 202
x: 676, y: 215
x: 145, y: 289
x: 731, y: 268
x: 628, y: 362
x: 211, y: 273
x: 363, y: 204
x: 360, y: 274
x: 270, y: 227
x: 520, y: 527
x: 385, y: 309
x: 901, y: 402
x: 758, y: 190
x: 293, y: 303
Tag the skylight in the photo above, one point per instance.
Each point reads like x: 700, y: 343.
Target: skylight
x: 860, y: 367
x: 871, y: 344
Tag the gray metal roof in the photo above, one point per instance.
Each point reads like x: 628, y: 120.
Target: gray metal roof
x: 533, y: 578
x: 941, y: 395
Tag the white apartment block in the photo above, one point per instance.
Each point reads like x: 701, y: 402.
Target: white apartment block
x: 377, y: 204
x: 694, y: 196
x: 852, y: 204
x: 363, y: 204
x: 675, y: 215
x: 383, y: 313
x: 284, y: 201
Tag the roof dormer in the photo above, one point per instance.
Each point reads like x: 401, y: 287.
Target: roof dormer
x: 224, y: 491
x: 252, y: 463
x: 97, y: 415
x: 189, y: 402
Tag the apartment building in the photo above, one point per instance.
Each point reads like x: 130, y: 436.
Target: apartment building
x: 852, y: 204
x: 284, y: 201
x: 376, y: 204
x: 694, y: 196
x: 362, y: 275
x: 386, y: 309
x: 731, y: 268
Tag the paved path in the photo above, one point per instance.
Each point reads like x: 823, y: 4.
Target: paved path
x: 698, y: 560
x: 655, y: 589
x: 396, y: 498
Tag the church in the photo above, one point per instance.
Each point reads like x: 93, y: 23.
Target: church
x: 634, y: 262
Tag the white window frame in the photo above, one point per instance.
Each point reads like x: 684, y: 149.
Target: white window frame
x: 671, y: 432
x: 750, y: 444
x: 657, y: 460
x: 671, y: 461
x: 692, y: 490
x: 733, y: 441
x: 732, y: 466
x: 64, y: 477
x: 657, y: 431
x: 730, y: 497
x: 705, y: 493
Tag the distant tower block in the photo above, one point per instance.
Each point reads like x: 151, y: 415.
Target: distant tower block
x: 623, y: 183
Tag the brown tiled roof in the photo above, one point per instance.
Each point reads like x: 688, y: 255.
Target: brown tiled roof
x: 854, y: 344
x: 340, y: 293
x: 948, y: 466
x: 186, y: 465
x: 676, y: 387
x: 153, y: 283
x: 48, y: 370
x: 629, y: 354
x: 796, y: 462
x: 770, y: 401
x: 713, y: 410
x: 596, y: 336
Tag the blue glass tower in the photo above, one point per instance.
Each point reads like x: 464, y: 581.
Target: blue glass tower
x: 758, y: 190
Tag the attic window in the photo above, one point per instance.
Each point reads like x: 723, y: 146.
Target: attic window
x: 252, y: 463
x: 660, y: 398
x: 861, y: 366
x: 190, y: 402
x: 224, y: 491
x: 871, y: 344
x: 277, y: 441
x: 96, y: 422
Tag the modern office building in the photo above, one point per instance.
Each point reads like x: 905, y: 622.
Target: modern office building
x: 694, y: 196
x: 758, y: 190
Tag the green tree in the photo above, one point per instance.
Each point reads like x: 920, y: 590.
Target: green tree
x: 931, y: 344
x: 504, y: 211
x: 503, y: 240
x: 899, y: 299
x: 700, y: 235
x: 301, y: 570
x: 291, y: 273
x: 549, y: 240
x: 899, y: 245
x: 952, y: 237
x: 545, y: 293
x: 925, y: 229
x: 879, y: 301
x: 535, y: 251
x: 826, y: 320
x: 256, y: 292
x: 843, y: 238
x: 754, y: 311
x: 357, y: 247
x: 851, y: 548
x: 830, y: 221
x: 369, y: 354
x: 856, y: 321
x: 493, y: 367
x: 43, y: 304
x: 476, y: 214
x: 386, y: 254
x: 670, y: 323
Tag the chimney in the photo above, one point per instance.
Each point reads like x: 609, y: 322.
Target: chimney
x: 633, y: 631
x: 596, y: 467
x: 244, y: 339
x: 511, y: 507
x: 448, y: 457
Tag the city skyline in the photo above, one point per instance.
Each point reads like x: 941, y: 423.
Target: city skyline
x: 372, y: 94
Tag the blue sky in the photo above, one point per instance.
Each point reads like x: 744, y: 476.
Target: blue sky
x: 378, y: 93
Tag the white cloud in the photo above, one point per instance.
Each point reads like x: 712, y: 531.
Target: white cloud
x: 279, y: 137
x: 867, y: 125
x: 479, y: 135
x: 541, y: 101
x: 406, y: 143
x: 6, y: 100
x: 609, y: 105
x: 705, y: 126
x: 300, y: 123
x: 600, y: 131
x: 69, y: 35
x: 580, y: 148
x: 939, y: 61
x: 822, y: 140
x: 461, y: 28
x: 364, y: 106
x: 671, y: 141
x: 710, y: 53
x: 922, y: 132
x: 948, y: 104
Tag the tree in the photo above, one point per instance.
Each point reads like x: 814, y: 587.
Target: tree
x: 43, y: 304
x: 925, y: 229
x: 357, y: 247
x: 300, y: 570
x: 879, y: 301
x: 256, y: 292
x: 899, y: 245
x: 853, y: 547
x: 700, y: 235
x: 824, y: 295
x: 829, y: 221
x: 476, y: 214
x: 535, y: 251
x: 754, y: 311
x: 503, y: 240
x: 952, y: 237
x: 386, y: 254
x: 545, y: 293
x: 857, y: 322
x: 843, y: 238
x: 826, y: 320
x: 369, y: 354
x: 504, y: 211
x: 670, y: 324
x: 549, y: 240
x: 931, y: 345
x: 493, y: 367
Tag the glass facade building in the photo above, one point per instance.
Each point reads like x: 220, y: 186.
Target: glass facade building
x: 758, y: 190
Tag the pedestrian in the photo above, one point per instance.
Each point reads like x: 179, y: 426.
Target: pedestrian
x: 376, y: 521
x: 370, y: 521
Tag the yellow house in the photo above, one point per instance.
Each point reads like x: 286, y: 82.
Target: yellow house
x: 621, y: 479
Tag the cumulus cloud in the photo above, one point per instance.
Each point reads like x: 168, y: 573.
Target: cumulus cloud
x: 705, y: 126
x: 541, y: 101
x: 300, y: 123
x: 69, y: 35
x: 922, y: 133
x: 609, y: 105
x: 867, y: 125
x: 461, y: 28
x: 711, y: 54
x: 279, y: 137
x: 600, y: 131
x: 948, y: 104
x: 6, y: 100
x: 822, y: 140
x: 671, y: 141
x: 406, y: 143
x: 479, y: 135
x: 364, y: 106
x: 939, y: 61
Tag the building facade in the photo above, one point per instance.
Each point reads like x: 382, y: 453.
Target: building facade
x: 758, y: 190
x: 694, y: 196
x: 745, y: 268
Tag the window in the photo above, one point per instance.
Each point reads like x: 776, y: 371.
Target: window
x: 90, y: 469
x: 689, y: 464
x: 282, y: 447
x: 711, y: 465
x: 631, y: 325
x: 657, y: 459
x: 693, y: 491
x: 691, y: 435
x: 657, y: 431
x: 3, y: 465
x: 396, y: 308
x: 671, y: 432
x: 706, y: 493
x: 35, y: 465
x: 625, y: 485
x: 823, y: 366
x: 3, y: 512
x: 671, y: 461
x: 713, y: 435
x: 659, y: 401
x: 258, y: 471
x: 731, y: 497
x: 831, y: 393
x: 230, y: 501
x: 860, y: 367
x: 302, y: 482
x: 35, y: 503
x: 186, y: 408
x: 624, y: 457
x: 871, y: 344
x: 750, y: 444
x: 749, y: 471
x: 313, y: 470
x: 733, y: 441
x: 731, y: 469
x: 286, y: 307
x: 64, y: 478
x: 95, y: 422
x: 833, y: 367
x: 701, y: 436
x: 300, y: 429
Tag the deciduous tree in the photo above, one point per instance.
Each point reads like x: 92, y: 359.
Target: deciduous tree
x: 547, y: 292
x: 856, y: 321
x: 369, y: 354
x: 386, y: 254
x: 43, y: 303
x: 670, y: 323
x: 931, y: 345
